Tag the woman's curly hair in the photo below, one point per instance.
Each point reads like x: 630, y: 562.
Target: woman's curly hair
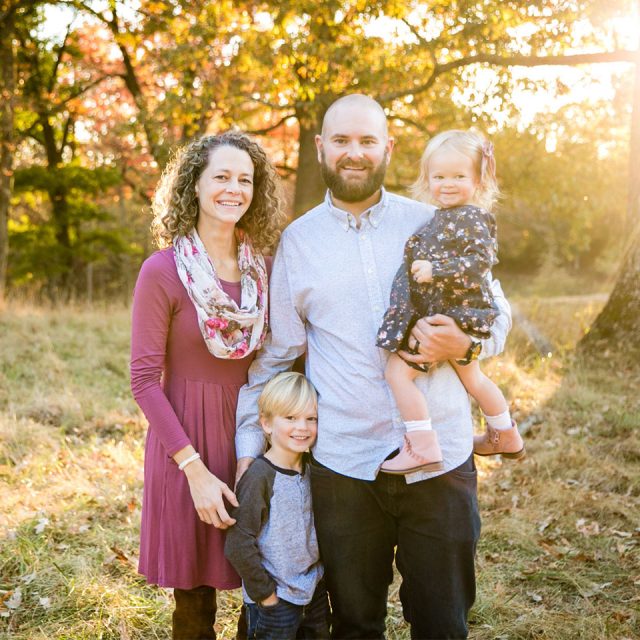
x: 175, y: 203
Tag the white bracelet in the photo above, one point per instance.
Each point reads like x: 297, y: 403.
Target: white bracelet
x: 189, y: 460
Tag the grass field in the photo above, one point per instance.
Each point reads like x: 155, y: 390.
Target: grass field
x: 559, y: 553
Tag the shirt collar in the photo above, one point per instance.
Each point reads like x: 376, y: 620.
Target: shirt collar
x: 348, y: 220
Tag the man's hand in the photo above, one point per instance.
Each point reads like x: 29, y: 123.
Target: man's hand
x: 439, y: 339
x: 422, y: 271
x: 241, y: 467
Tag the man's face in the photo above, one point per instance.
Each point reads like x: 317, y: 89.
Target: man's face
x: 354, y: 152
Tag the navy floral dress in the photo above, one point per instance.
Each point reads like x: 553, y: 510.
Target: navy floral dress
x: 461, y: 245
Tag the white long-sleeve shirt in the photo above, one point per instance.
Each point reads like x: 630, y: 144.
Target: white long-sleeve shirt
x: 329, y: 290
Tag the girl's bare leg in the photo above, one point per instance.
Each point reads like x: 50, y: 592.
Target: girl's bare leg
x: 482, y: 388
x: 421, y: 450
x: 501, y: 435
x: 401, y: 378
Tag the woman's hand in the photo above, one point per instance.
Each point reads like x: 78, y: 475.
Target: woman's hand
x: 208, y: 493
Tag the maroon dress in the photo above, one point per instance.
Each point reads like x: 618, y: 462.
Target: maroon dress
x: 189, y: 397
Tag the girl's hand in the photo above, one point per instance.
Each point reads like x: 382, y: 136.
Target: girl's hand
x: 422, y: 271
x: 208, y: 493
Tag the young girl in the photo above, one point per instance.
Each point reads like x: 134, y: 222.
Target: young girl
x: 445, y: 270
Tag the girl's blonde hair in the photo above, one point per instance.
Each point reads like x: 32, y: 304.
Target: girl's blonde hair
x: 286, y: 394
x: 175, y: 205
x: 471, y: 144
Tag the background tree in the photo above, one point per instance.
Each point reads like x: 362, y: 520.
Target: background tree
x: 152, y: 76
x: 11, y: 14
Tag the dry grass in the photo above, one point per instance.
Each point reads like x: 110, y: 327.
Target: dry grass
x: 558, y: 557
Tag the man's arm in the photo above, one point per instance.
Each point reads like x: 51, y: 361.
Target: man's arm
x: 494, y: 345
x: 441, y: 339
x: 287, y: 339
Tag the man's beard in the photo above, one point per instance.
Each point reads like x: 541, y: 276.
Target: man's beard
x: 353, y: 190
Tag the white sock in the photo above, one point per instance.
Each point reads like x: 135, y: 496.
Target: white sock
x: 418, y: 425
x: 501, y: 422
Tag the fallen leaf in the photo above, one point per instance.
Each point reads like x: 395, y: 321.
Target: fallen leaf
x: 120, y: 554
x: 591, y: 529
x: 41, y: 526
x: 621, y: 616
x: 544, y: 524
x: 595, y: 589
x: 15, y: 599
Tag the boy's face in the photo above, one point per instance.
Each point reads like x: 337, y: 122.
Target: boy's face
x: 293, y: 434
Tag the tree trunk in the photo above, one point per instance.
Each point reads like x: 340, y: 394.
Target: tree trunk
x: 7, y: 91
x: 633, y: 204
x: 60, y: 282
x: 310, y: 187
x: 617, y: 328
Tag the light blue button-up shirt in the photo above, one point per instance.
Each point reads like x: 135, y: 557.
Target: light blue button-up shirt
x: 329, y: 290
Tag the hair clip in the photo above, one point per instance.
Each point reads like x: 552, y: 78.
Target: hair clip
x: 487, y: 150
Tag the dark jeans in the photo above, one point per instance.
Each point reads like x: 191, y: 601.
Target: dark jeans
x: 433, y: 526
x: 288, y: 621
x: 195, y: 614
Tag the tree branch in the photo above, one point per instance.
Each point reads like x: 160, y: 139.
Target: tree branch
x: 275, y: 107
x: 410, y: 122
x: 261, y: 132
x: 56, y: 64
x: 65, y: 133
x: 284, y: 168
x: 77, y: 92
x: 622, y: 55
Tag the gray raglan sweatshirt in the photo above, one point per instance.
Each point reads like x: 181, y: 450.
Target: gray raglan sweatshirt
x: 273, y: 545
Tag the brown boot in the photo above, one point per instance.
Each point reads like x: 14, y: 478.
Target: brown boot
x: 506, y: 442
x: 420, y: 452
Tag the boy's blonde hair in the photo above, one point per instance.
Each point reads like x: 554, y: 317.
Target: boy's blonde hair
x: 286, y: 394
x: 471, y: 144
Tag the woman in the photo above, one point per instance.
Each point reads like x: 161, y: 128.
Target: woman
x: 199, y: 315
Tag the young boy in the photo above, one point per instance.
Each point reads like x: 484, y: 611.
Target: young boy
x: 273, y: 544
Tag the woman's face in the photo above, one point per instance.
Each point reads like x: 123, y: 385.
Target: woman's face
x: 225, y: 188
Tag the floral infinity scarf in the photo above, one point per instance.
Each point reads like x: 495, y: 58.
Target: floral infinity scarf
x: 229, y: 331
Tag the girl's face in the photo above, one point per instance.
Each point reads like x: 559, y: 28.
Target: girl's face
x: 225, y: 188
x: 452, y: 178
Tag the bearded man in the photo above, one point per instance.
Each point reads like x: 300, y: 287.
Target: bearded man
x: 330, y: 287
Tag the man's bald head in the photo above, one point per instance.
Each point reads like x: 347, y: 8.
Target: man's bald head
x: 350, y: 103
